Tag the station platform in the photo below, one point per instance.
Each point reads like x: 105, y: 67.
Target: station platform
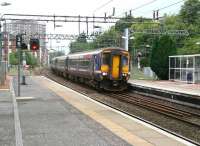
x: 188, y: 94
x: 49, y: 114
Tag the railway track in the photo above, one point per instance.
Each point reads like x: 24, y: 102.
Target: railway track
x: 141, y: 101
x: 188, y: 117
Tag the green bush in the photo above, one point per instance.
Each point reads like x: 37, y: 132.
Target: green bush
x: 145, y: 62
x: 162, y: 48
x: 30, y: 59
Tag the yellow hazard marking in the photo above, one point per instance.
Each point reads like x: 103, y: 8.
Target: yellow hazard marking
x: 95, y: 112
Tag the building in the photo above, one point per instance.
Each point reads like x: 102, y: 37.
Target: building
x: 30, y: 29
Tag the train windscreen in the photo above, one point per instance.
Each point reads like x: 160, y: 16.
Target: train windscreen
x: 124, y: 60
x: 106, y: 59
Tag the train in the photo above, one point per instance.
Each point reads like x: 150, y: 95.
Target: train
x: 105, y: 68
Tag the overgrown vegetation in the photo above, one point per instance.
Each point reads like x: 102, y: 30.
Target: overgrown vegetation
x: 30, y: 59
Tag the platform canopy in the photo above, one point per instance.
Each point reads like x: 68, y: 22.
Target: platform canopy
x: 185, y: 68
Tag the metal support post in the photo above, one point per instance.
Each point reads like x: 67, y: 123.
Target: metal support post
x: 18, y: 46
x: 24, y: 64
x: 79, y: 24
x: 126, y: 38
x: 19, y: 65
x: 87, y: 25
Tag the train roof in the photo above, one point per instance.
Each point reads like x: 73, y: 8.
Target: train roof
x: 60, y: 57
x: 88, y: 53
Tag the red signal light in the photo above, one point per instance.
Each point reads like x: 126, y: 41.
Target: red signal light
x: 34, y: 47
x: 34, y: 44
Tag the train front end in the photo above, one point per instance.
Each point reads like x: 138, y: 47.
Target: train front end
x: 115, y: 69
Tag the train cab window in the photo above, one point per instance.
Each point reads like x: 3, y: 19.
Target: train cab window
x: 124, y: 60
x: 106, y: 58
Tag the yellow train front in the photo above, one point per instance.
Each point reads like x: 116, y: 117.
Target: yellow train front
x: 114, y: 69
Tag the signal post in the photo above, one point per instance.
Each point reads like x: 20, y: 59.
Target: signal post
x: 21, y: 46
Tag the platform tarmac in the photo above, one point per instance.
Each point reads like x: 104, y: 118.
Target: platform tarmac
x: 50, y: 114
x: 181, y: 92
x: 7, y: 129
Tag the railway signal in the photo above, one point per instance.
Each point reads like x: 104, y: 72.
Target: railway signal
x: 18, y: 41
x: 34, y: 44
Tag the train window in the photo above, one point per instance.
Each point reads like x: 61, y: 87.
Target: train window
x: 124, y: 60
x: 106, y: 58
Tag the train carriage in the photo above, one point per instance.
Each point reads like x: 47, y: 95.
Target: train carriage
x: 107, y: 68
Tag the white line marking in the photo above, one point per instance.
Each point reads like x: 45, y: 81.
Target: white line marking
x: 18, y: 131
x: 127, y: 116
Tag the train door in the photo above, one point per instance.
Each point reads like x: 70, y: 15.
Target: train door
x: 95, y: 63
x: 115, y: 66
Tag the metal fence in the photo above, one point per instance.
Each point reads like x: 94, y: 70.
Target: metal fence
x: 2, y: 72
x: 185, y: 68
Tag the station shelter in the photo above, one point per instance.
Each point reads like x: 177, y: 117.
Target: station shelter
x: 185, y: 68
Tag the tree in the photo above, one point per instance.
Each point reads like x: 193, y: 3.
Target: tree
x: 190, y: 12
x: 191, y: 46
x: 82, y: 38
x: 123, y: 23
x: 110, y: 38
x: 163, y: 47
x: 81, y: 44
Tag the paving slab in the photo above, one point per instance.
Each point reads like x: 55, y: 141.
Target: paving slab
x: 7, y: 130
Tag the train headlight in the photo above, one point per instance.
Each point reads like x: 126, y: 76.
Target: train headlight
x: 104, y: 73
x: 125, y: 69
x: 104, y: 68
x: 124, y: 74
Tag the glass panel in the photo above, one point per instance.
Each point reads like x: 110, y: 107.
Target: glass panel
x: 197, y: 75
x: 106, y: 58
x: 190, y: 62
x: 124, y: 60
x: 177, y: 62
x: 183, y: 75
x: 177, y: 74
x: 172, y: 74
x: 172, y: 62
x: 183, y: 62
x: 197, y: 61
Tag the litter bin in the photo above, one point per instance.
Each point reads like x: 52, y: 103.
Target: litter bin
x: 189, y: 78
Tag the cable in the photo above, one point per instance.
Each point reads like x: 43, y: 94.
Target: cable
x: 102, y: 6
x: 170, y: 5
x: 141, y: 6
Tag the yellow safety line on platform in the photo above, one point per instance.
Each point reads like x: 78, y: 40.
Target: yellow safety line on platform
x: 87, y: 108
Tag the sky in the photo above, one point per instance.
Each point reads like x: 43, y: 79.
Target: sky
x: 87, y: 8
